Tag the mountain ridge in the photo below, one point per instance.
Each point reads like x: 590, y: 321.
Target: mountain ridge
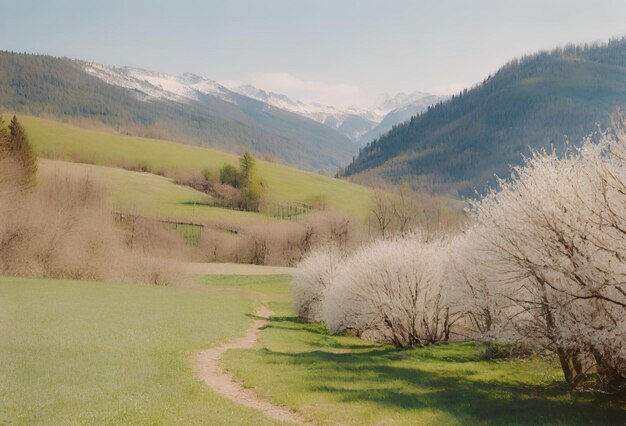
x: 358, y: 124
x: 153, y: 106
x: 458, y: 146
x: 354, y: 122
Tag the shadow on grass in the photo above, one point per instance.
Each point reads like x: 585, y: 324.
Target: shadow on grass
x: 295, y: 324
x: 257, y: 317
x: 422, y: 379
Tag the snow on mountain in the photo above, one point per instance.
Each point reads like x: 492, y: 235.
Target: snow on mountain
x: 156, y: 85
x: 403, y: 107
x: 355, y: 123
x: 389, y: 103
x: 331, y: 116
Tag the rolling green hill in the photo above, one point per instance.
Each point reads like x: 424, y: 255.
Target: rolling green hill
x: 59, y: 141
x: 534, y: 102
x: 147, y: 194
x: 60, y: 87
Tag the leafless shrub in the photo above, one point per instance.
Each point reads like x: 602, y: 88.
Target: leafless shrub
x: 63, y: 229
x: 154, y: 238
x: 397, y: 211
x: 392, y: 291
x: 278, y: 243
x: 225, y: 195
x: 313, y: 276
x: 217, y: 245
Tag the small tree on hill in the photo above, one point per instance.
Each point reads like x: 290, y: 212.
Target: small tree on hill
x: 18, y: 146
x: 250, y: 186
x: 230, y: 176
x: 244, y: 179
x: 247, y: 168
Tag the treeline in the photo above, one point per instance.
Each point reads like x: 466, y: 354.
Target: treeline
x: 538, y: 101
x: 59, y: 87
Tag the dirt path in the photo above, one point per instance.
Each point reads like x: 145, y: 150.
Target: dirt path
x: 208, y: 367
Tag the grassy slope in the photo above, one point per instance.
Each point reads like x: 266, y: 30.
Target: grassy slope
x: 147, y: 194
x: 333, y: 379
x: 286, y: 184
x: 102, y: 353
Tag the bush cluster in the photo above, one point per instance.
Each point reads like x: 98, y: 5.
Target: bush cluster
x: 59, y: 226
x: 542, y: 265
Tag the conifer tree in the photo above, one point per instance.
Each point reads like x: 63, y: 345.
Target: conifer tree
x: 250, y: 185
x: 4, y: 139
x: 19, y: 147
x: 247, y: 167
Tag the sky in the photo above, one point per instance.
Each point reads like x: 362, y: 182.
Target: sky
x: 339, y: 52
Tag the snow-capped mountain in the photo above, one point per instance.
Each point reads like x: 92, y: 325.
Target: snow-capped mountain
x: 358, y: 124
x: 399, y: 108
x: 159, y: 85
x: 155, y: 85
x: 351, y: 121
x: 203, y: 111
x: 389, y: 103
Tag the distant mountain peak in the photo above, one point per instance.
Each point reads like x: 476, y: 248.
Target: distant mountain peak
x: 353, y: 122
x: 158, y: 85
x: 388, y: 103
x: 187, y: 108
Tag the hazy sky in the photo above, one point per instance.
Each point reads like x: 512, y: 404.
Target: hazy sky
x: 340, y: 52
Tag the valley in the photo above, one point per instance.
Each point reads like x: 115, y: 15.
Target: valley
x: 246, y: 213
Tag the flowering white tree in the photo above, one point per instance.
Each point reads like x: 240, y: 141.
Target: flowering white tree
x: 543, y: 262
x: 472, y: 289
x: 554, y: 238
x: 392, y: 291
x: 312, y: 278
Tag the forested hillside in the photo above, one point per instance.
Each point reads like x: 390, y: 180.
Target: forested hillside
x: 536, y: 102
x: 59, y: 87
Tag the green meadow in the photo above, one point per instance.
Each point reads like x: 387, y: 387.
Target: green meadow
x: 76, y: 352
x: 345, y: 380
x: 149, y: 195
x: 55, y: 140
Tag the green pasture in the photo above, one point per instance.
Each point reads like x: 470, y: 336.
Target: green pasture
x: 342, y: 379
x: 286, y: 184
x: 74, y: 352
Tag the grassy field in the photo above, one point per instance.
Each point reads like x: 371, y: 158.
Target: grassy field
x: 149, y: 195
x: 99, y: 353
x: 344, y: 380
x: 76, y: 352
x: 286, y: 184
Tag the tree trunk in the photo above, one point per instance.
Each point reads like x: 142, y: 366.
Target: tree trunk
x: 564, y: 359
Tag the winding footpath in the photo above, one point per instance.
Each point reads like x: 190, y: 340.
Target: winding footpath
x: 207, y: 365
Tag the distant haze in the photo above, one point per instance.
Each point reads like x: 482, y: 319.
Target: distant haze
x: 332, y: 52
